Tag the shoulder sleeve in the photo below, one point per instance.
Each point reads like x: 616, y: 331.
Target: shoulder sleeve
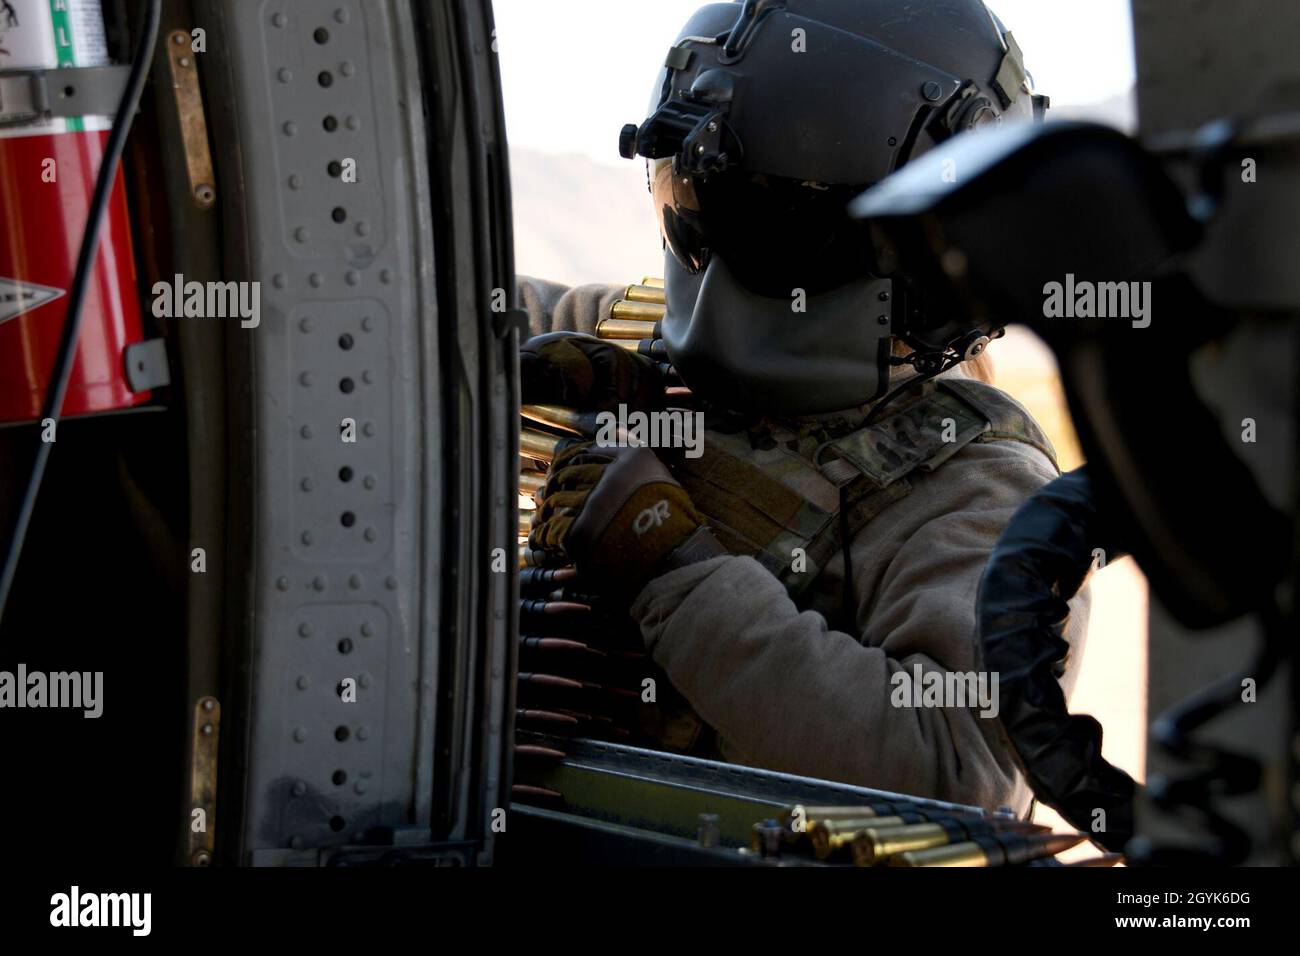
x: 553, y: 307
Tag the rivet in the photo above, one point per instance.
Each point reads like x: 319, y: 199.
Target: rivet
x: 295, y: 181
x: 360, y: 787
x: 304, y: 629
x: 307, y: 538
x: 385, y: 276
x: 363, y: 733
x: 306, y: 379
x: 299, y: 788
x: 363, y: 680
x: 367, y: 630
x: 315, y: 280
x: 284, y: 75
x: 301, y: 234
x: 883, y: 320
x: 884, y: 297
x: 282, y: 583
x: 290, y: 128
x: 206, y: 730
x: 368, y: 429
x: 297, y: 843
x: 184, y: 62
x: 308, y: 484
x: 303, y: 682
x: 353, y: 276
x: 352, y: 123
x: 209, y: 703
x: 341, y: 15
x: 305, y: 431
x: 354, y: 582
x: 279, y: 20
x: 347, y: 69
x: 390, y: 582
x: 278, y: 280
x: 179, y: 37
x: 367, y: 377
x: 305, y: 324
x: 367, y: 323
x: 368, y: 482
x: 362, y: 229
x: 300, y: 734
x: 318, y: 583
x: 370, y: 534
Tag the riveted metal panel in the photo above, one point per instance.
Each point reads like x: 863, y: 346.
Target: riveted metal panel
x: 343, y: 521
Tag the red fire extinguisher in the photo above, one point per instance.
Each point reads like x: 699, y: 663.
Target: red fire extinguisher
x: 47, y: 178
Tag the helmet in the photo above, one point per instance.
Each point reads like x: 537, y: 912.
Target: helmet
x: 768, y: 118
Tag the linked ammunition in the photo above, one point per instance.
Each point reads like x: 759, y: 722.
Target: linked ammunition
x: 637, y: 311
x: 876, y: 843
x: 987, y: 850
x: 558, y: 644
x: 551, y: 717
x: 646, y: 293
x: 533, y: 578
x: 531, y: 483
x: 565, y: 419
x: 800, y: 816
x: 539, y: 446
x: 535, y: 607
x: 626, y: 329
x: 828, y: 837
x: 653, y: 282
x: 550, y: 680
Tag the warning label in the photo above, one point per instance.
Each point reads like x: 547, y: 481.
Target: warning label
x: 19, y: 297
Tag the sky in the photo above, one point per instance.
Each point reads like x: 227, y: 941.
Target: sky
x: 575, y: 71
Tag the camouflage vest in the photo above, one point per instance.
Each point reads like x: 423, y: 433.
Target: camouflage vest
x: 786, y: 495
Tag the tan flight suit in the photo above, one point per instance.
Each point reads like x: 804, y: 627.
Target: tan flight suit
x: 786, y: 691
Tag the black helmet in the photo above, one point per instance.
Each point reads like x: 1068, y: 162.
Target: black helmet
x: 775, y: 113
x: 771, y: 115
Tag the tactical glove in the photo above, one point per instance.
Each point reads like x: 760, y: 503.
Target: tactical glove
x: 620, y: 517
x: 586, y: 373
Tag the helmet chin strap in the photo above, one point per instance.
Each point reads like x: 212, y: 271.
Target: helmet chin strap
x: 932, y: 364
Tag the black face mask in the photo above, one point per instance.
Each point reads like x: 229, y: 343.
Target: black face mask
x: 779, y: 356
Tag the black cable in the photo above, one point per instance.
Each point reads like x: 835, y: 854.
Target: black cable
x: 150, y: 16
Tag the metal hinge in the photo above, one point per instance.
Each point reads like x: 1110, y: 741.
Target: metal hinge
x: 203, y: 781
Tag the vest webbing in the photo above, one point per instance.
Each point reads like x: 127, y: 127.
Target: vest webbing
x: 774, y: 492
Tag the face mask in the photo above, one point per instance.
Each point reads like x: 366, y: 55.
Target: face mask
x: 796, y: 356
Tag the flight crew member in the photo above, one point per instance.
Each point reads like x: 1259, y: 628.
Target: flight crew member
x: 815, y: 572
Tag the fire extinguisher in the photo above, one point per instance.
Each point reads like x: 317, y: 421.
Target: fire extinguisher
x: 48, y: 167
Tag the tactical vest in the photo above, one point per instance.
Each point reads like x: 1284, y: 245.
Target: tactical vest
x: 788, y: 494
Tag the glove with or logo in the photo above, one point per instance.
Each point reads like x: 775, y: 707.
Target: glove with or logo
x: 586, y: 373
x: 620, y: 516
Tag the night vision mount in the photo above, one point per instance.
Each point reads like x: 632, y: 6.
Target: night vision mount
x: 691, y: 127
